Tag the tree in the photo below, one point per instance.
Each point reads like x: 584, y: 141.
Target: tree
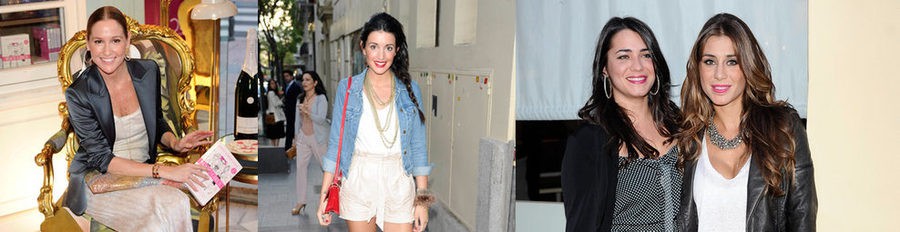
x: 281, y: 32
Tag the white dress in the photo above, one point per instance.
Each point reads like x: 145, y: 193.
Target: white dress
x: 376, y: 183
x: 151, y: 208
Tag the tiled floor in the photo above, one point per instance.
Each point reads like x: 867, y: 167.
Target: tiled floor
x: 243, y: 218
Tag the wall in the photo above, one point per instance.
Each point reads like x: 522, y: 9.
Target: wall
x: 854, y: 120
x: 134, y: 9
x: 484, y: 110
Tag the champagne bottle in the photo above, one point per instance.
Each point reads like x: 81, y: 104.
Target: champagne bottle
x: 246, y: 120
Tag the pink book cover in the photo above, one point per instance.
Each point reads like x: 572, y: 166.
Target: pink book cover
x: 222, y: 168
x: 15, y: 50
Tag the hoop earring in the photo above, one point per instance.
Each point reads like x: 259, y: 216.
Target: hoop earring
x: 604, y: 87
x: 127, y: 58
x: 657, y: 88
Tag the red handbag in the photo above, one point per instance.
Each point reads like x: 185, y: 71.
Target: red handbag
x: 332, y: 196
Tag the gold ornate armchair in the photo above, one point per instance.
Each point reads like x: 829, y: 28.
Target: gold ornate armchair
x: 176, y: 71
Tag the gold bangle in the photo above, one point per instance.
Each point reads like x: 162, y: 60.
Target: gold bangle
x: 156, y: 171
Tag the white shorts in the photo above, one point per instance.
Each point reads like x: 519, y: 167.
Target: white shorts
x: 377, y: 185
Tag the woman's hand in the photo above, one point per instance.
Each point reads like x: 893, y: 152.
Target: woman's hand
x: 324, y: 218
x: 192, y: 140
x: 189, y: 173
x: 304, y: 109
x: 420, y: 218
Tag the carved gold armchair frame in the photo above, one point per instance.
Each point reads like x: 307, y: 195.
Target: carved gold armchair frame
x: 176, y: 72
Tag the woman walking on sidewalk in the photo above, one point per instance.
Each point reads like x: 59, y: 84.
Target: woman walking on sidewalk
x: 384, y: 144
x: 311, y: 131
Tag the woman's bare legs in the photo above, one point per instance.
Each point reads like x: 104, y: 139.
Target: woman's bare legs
x: 397, y: 227
x: 363, y: 226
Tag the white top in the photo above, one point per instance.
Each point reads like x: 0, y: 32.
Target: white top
x: 721, y: 203
x: 131, y: 137
x: 275, y: 106
x: 368, y: 139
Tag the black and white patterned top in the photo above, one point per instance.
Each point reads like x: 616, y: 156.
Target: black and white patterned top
x: 648, y: 194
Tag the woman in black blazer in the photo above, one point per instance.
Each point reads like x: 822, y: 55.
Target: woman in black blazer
x: 115, y: 89
x: 746, y: 159
x: 618, y: 172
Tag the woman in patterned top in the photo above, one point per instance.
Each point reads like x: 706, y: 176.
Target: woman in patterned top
x: 619, y: 170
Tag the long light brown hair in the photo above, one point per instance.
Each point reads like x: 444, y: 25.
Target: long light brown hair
x: 765, y: 122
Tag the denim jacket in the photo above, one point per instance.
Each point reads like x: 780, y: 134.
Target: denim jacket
x: 412, y: 130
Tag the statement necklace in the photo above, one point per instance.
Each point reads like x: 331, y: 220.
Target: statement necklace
x: 372, y: 97
x: 719, y: 140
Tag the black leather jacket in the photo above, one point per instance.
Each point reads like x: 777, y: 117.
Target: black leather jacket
x: 794, y: 211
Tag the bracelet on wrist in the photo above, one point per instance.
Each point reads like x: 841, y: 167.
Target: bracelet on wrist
x: 424, y: 197
x: 155, y: 171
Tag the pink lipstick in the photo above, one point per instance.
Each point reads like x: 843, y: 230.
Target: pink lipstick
x: 721, y: 88
x: 640, y: 79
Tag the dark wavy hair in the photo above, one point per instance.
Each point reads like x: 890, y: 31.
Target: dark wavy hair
x: 400, y: 67
x: 320, y: 88
x: 603, y: 111
x: 766, y: 124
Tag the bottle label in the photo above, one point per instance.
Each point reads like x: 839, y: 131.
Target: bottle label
x: 247, y: 125
x: 250, y: 100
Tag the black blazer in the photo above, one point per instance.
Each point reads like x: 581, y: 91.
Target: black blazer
x: 589, y: 177
x: 91, y: 117
x: 291, y: 91
x: 795, y: 211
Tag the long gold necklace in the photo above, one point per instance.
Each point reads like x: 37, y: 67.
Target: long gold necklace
x: 373, y: 97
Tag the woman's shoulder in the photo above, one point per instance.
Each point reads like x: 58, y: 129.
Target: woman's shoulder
x: 87, y: 80
x: 588, y: 137
x: 148, y: 65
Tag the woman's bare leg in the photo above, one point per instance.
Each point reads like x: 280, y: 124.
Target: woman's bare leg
x: 397, y: 227
x: 362, y: 226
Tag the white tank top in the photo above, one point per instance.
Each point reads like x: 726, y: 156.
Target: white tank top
x: 131, y: 137
x: 368, y: 139
x: 721, y: 203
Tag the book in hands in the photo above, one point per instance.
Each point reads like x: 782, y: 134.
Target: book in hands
x: 221, y: 168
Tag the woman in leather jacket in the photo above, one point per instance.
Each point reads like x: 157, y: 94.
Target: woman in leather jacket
x: 746, y: 159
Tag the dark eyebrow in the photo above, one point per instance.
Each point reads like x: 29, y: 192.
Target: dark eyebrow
x: 728, y: 56
x: 629, y: 50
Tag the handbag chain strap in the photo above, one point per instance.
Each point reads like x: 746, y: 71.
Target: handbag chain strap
x: 337, y: 165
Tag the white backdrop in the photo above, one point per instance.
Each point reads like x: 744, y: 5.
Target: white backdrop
x: 555, y: 43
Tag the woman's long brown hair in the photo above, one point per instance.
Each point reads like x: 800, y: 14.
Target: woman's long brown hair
x: 766, y: 123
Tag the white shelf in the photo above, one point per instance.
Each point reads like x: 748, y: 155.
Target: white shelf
x: 33, y: 6
x: 10, y: 76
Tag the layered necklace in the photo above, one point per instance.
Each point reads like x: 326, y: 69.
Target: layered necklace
x: 719, y: 140
x: 382, y: 128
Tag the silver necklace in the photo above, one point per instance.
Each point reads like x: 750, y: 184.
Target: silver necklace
x: 719, y: 140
